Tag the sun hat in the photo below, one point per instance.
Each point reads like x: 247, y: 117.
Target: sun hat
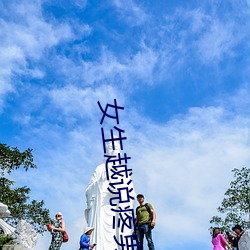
x: 237, y: 227
x: 87, y: 229
x: 59, y: 213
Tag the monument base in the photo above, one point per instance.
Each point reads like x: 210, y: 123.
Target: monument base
x: 12, y: 247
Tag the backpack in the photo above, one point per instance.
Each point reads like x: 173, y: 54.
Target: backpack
x: 150, y: 218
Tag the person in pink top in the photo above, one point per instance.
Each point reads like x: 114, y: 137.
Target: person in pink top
x: 219, y: 241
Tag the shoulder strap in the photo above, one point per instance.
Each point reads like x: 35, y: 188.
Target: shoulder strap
x: 147, y: 207
x: 137, y: 210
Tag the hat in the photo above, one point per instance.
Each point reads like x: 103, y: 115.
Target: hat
x: 59, y: 213
x: 87, y: 229
x: 237, y: 227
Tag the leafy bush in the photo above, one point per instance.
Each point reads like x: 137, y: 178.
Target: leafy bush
x: 6, y: 240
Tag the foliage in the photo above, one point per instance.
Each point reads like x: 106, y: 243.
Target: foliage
x: 6, y: 240
x: 17, y: 199
x: 236, y: 204
x: 11, y: 159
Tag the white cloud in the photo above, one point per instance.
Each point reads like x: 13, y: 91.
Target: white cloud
x: 217, y: 42
x: 198, y: 20
x: 240, y: 100
x: 184, y: 168
x: 199, y: 33
x: 105, y: 69
x: 82, y: 102
x: 80, y: 3
x: 121, y: 71
x: 31, y: 33
x: 131, y: 12
x: 25, y: 35
x: 143, y: 63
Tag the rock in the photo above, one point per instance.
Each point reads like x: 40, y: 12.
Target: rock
x: 13, y: 247
x: 244, y: 242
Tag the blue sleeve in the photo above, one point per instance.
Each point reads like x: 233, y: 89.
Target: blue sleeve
x: 84, y: 241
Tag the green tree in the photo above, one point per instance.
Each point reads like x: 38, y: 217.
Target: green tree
x: 17, y: 199
x: 235, y: 207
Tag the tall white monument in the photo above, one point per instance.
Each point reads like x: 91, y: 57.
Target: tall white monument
x: 98, y: 213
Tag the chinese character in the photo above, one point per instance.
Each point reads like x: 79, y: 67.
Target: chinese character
x: 105, y: 111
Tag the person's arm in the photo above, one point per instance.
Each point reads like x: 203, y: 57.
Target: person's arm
x: 136, y: 224
x: 229, y: 246
x: 224, y: 242
x: 84, y: 242
x: 154, y: 217
x: 232, y: 235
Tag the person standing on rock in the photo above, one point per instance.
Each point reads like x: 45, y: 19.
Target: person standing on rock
x: 218, y: 240
x: 56, y: 231
x: 145, y: 222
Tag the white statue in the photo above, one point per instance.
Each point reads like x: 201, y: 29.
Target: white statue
x: 98, y: 213
x: 25, y: 237
x: 4, y: 212
x: 244, y: 242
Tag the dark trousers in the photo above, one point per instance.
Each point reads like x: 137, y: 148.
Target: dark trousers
x: 142, y: 230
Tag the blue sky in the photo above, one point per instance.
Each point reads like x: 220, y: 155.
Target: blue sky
x: 179, y: 68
